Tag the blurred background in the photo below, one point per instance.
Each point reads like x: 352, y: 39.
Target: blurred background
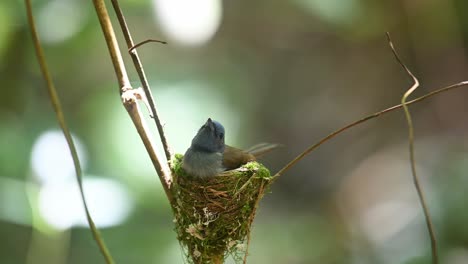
x: 270, y: 71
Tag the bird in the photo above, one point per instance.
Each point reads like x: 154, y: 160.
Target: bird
x: 208, y: 155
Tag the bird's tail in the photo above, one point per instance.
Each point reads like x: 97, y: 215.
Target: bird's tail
x: 262, y: 149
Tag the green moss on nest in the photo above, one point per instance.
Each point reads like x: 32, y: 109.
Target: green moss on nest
x: 213, y: 215
x: 260, y: 170
x: 176, y: 165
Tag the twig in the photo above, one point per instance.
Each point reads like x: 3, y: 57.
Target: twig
x: 141, y: 73
x: 360, y: 121
x: 419, y: 190
x: 61, y: 120
x: 254, y: 211
x: 144, y: 42
x: 129, y: 99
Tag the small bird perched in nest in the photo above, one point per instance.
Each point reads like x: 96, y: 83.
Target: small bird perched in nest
x: 209, y: 155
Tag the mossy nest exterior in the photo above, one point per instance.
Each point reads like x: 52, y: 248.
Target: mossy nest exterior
x: 213, y: 215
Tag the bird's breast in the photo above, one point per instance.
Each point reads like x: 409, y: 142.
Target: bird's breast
x: 202, y: 164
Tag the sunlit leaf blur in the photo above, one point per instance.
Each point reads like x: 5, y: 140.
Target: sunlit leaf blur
x: 271, y: 71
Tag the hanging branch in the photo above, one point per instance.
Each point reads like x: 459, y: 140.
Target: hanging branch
x: 130, y: 96
x: 261, y: 192
x: 362, y: 120
x: 66, y: 131
x: 141, y: 73
x: 417, y: 185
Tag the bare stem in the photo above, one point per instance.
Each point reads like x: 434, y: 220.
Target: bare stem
x: 63, y: 125
x: 252, y: 217
x: 112, y: 45
x: 141, y: 73
x: 417, y: 185
x: 129, y: 99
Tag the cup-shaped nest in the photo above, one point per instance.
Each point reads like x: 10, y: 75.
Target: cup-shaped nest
x: 213, y: 215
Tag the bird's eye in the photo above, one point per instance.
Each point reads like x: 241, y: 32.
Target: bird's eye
x: 221, y: 135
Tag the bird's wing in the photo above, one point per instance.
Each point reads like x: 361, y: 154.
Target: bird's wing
x: 233, y: 158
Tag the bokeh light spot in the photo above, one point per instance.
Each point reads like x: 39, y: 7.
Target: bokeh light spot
x: 59, y: 20
x: 61, y: 206
x: 51, y: 158
x: 189, y: 22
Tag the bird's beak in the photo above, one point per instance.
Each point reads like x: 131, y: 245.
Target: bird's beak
x: 209, y: 123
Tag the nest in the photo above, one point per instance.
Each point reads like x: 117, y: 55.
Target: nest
x: 213, y: 215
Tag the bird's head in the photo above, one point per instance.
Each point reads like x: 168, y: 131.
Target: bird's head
x: 210, y: 137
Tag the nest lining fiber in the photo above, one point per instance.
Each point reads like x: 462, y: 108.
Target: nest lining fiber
x: 213, y: 215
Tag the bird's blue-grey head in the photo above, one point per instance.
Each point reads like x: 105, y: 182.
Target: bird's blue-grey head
x: 210, y: 138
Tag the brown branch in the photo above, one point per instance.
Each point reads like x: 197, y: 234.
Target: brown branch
x: 254, y: 211
x: 141, y: 73
x: 112, y: 45
x: 360, y: 121
x: 66, y: 132
x: 129, y: 99
x: 130, y: 50
x: 417, y: 185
